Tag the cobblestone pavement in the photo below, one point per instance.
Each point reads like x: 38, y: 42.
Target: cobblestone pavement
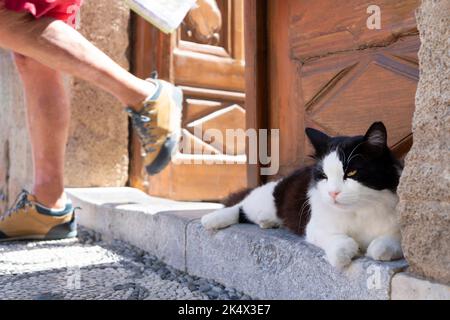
x: 90, y: 268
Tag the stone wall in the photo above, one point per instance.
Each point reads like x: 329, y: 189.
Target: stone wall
x: 15, y: 154
x: 425, y: 185
x: 97, y: 152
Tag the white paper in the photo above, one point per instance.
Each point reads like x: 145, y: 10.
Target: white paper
x: 166, y: 15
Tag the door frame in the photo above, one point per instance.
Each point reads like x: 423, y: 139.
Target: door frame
x: 256, y: 71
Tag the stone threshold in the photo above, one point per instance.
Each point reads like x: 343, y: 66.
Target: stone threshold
x: 267, y: 264
x: 406, y: 286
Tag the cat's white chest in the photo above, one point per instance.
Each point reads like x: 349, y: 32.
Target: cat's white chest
x: 367, y: 224
x: 363, y: 224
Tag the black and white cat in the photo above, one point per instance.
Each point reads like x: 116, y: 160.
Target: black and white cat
x: 344, y: 203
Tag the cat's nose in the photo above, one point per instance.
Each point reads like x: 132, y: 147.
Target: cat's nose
x: 334, y: 194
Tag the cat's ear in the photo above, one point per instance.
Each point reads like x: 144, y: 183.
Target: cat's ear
x: 376, y: 136
x: 318, y: 139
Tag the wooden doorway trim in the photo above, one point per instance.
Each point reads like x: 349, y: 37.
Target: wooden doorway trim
x: 255, y: 17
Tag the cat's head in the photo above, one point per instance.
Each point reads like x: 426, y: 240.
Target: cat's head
x: 349, y: 171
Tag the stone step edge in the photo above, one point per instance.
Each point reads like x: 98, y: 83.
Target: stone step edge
x: 268, y: 264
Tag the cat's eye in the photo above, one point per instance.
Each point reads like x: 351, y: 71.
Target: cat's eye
x: 323, y: 176
x: 352, y: 173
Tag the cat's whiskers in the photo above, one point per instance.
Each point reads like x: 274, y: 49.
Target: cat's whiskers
x: 354, y: 156
x: 351, y: 153
x: 305, y: 203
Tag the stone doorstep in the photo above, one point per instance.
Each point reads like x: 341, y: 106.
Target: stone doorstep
x: 266, y: 264
x: 408, y: 287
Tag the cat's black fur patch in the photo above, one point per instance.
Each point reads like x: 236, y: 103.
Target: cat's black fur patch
x: 291, y: 200
x: 236, y: 198
x: 376, y: 166
x: 243, y: 217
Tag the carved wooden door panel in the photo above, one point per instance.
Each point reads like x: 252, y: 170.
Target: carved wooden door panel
x: 331, y: 72
x: 206, y: 58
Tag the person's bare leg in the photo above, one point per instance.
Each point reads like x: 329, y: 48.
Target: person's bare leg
x: 48, y: 116
x: 60, y: 47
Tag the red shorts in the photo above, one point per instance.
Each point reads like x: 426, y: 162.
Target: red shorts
x: 65, y: 10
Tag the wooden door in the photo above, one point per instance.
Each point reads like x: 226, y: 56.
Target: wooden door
x: 206, y: 58
x: 329, y: 71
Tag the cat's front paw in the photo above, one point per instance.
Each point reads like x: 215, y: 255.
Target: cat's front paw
x: 384, y: 249
x: 342, y: 252
x: 220, y: 219
x: 210, y: 221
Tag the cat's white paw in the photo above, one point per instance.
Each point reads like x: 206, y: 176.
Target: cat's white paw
x: 210, y: 222
x: 342, y: 252
x: 384, y: 249
x: 220, y: 219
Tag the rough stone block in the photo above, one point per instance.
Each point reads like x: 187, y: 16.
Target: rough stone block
x: 97, y: 151
x: 275, y: 264
x: 407, y: 287
x: 424, y: 189
x: 16, y: 170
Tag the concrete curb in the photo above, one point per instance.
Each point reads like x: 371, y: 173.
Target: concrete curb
x: 267, y: 264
